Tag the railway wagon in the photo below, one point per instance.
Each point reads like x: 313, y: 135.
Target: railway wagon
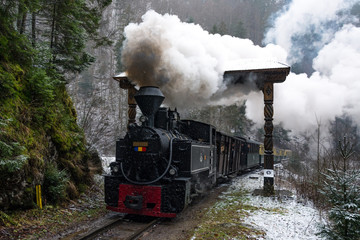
x: 279, y: 154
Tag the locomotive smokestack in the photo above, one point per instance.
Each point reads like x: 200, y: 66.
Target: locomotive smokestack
x: 149, y: 100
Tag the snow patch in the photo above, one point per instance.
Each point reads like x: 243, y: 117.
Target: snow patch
x: 292, y: 220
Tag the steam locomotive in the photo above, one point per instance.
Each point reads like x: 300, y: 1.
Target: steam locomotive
x: 162, y: 164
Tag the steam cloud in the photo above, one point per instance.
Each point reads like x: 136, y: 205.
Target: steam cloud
x: 333, y: 87
x: 309, y: 25
x: 188, y: 63
x: 185, y: 61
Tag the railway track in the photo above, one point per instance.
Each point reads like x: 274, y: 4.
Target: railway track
x: 126, y: 227
x: 122, y: 228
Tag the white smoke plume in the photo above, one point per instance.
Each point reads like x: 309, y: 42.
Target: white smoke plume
x: 188, y: 63
x: 185, y: 61
x: 333, y: 88
x: 309, y: 25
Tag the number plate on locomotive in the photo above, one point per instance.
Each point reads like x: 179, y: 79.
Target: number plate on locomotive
x: 140, y: 144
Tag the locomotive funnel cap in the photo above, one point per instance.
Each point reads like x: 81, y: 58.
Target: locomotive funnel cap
x: 149, y: 100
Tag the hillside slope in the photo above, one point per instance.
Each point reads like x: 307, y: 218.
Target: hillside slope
x: 40, y: 141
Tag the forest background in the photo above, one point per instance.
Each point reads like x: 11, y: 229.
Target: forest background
x: 61, y: 109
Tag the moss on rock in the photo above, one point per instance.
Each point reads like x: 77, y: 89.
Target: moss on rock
x: 37, y: 129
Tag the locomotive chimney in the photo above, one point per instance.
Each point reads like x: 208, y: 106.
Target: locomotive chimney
x: 149, y: 100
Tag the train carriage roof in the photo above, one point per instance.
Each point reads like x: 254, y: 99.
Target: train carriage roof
x: 197, y: 122
x: 254, y: 142
x: 229, y: 135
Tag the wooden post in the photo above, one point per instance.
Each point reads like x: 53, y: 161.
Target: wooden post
x: 268, y: 91
x: 38, y: 196
x: 127, y: 85
x: 265, y: 79
x: 132, y: 104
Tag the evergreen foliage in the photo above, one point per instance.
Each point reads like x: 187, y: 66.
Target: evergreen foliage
x: 342, y: 192
x: 41, y: 42
x: 12, y: 154
x: 239, y: 30
x: 281, y: 136
x: 345, y: 125
x: 228, y: 119
x: 127, y: 16
x: 55, y: 182
x: 221, y: 29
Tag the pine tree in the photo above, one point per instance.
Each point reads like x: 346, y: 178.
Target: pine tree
x: 214, y: 29
x: 40, y: 43
x: 221, y: 29
x: 345, y: 125
x: 58, y: 30
x: 239, y: 30
x: 342, y: 192
x: 228, y: 119
x: 70, y: 24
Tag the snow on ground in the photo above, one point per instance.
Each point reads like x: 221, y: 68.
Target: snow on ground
x: 294, y: 219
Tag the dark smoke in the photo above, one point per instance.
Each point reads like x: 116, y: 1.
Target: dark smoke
x: 142, y: 64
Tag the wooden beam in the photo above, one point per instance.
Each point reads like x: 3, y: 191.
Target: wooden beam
x: 125, y: 83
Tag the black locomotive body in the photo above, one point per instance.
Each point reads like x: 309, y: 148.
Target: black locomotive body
x: 162, y: 164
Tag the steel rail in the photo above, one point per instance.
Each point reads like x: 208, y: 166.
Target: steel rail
x: 103, y: 228
x: 96, y: 232
x: 139, y: 232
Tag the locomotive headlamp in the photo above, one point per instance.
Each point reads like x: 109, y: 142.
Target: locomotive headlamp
x: 143, y: 118
x: 172, y: 171
x: 115, y: 169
